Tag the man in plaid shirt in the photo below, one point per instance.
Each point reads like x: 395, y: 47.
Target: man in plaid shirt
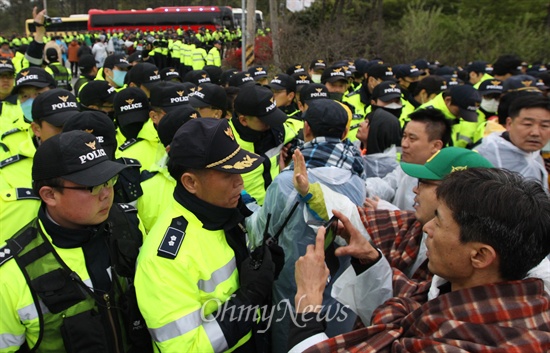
x: 491, y: 227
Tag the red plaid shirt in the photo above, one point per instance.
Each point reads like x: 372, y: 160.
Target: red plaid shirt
x: 511, y: 317
x: 398, y: 235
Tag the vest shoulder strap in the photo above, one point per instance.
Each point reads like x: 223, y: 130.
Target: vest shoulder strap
x: 129, y: 143
x: 10, y: 132
x: 171, y: 243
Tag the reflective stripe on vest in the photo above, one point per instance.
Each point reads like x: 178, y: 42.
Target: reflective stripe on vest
x: 8, y: 340
x: 222, y: 274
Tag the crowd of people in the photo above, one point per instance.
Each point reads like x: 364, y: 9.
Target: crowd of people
x: 154, y: 203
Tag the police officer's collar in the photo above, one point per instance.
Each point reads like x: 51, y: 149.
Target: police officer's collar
x: 211, y: 216
x: 63, y: 237
x: 11, y: 99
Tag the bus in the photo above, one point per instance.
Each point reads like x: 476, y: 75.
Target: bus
x: 162, y: 18
x: 238, y: 16
x: 61, y: 26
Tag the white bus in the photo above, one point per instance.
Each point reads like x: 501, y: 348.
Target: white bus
x: 238, y: 15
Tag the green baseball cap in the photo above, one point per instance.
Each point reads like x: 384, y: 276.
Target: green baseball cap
x: 446, y: 161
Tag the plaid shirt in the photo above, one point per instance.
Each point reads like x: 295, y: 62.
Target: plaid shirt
x: 398, y: 235
x: 503, y: 317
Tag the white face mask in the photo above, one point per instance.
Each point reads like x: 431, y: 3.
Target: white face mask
x: 316, y: 78
x: 489, y: 105
x: 393, y: 106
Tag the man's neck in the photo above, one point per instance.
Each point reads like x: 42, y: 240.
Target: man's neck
x: 477, y: 279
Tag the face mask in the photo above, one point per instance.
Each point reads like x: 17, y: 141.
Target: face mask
x: 316, y: 78
x: 336, y: 96
x: 26, y: 106
x: 118, y: 77
x: 489, y: 105
x: 394, y: 106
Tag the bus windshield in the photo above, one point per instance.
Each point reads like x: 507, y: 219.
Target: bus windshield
x: 162, y: 18
x: 61, y: 25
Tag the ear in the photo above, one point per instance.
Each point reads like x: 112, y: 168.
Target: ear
x: 36, y: 129
x: 153, y: 117
x: 291, y: 95
x: 47, y: 194
x: 448, y: 101
x: 508, y: 123
x: 107, y: 72
x: 132, y: 84
x: 483, y: 256
x: 436, y: 146
x: 242, y: 120
x: 189, y: 182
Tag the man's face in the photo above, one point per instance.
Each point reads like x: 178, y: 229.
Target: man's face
x: 30, y: 92
x: 282, y: 98
x: 530, y: 130
x: 254, y: 123
x: 425, y: 201
x: 416, y: 145
x: 45, y: 130
x: 447, y: 256
x: 79, y: 208
x: 339, y: 86
x: 363, y: 131
x: 6, y: 83
x: 219, y: 188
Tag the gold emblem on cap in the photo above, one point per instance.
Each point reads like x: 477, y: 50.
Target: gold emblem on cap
x: 203, y: 75
x: 199, y: 89
x: 272, y: 99
x: 156, y: 72
x: 345, y: 68
x: 3, y: 61
x: 433, y: 156
x: 245, y: 163
x: 193, y: 116
x: 337, y: 69
x: 303, y: 77
x: 320, y: 61
x: 180, y: 93
x: 453, y: 79
x: 456, y: 169
x: 247, y: 75
x: 63, y: 98
x: 389, y: 68
x: 172, y: 70
x: 192, y: 89
x: 298, y: 66
x: 527, y: 83
x: 91, y: 144
x: 89, y: 130
x: 24, y: 73
x: 392, y: 85
x: 413, y: 66
x: 495, y: 82
x: 130, y: 101
x: 276, y: 77
x: 319, y: 90
x: 229, y: 133
x: 259, y: 69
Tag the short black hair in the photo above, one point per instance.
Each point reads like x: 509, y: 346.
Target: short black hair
x: 53, y: 182
x: 438, y: 126
x: 528, y: 102
x: 502, y: 209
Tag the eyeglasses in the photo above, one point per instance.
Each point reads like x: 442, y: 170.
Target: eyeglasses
x: 427, y: 182
x: 94, y: 190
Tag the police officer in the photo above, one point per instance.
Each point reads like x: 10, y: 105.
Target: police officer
x: 194, y: 267
x: 209, y: 100
x: 259, y: 127
x: 156, y: 182
x: 58, y: 71
x: 71, y: 298
x: 132, y: 116
x: 88, y: 71
x: 10, y: 110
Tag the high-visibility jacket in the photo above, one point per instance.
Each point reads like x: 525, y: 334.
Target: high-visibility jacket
x: 257, y: 180
x: 184, y: 274
x: 20, y: 319
x: 485, y: 77
x: 213, y: 57
x: 158, y: 189
x: 199, y: 58
x: 16, y: 169
x: 146, y: 147
x: 463, y: 132
x: 19, y: 62
x: 11, y: 115
x: 61, y: 75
